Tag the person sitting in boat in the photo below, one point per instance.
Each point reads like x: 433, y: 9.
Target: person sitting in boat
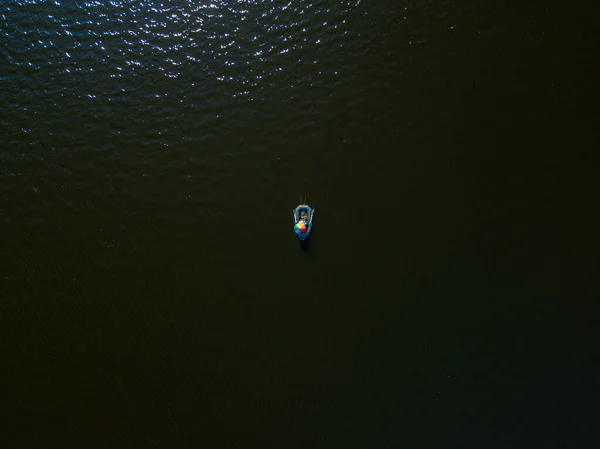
x: 304, y: 217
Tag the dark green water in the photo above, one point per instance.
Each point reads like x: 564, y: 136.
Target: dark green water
x: 153, y: 293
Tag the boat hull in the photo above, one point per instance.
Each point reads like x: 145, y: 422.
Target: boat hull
x: 297, y: 217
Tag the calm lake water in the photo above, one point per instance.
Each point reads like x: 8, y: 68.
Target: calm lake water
x: 153, y: 292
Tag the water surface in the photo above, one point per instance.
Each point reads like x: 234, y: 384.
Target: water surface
x: 154, y: 293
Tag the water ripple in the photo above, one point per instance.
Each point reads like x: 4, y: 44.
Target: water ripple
x: 129, y: 38
x: 88, y: 55
x: 124, y: 113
